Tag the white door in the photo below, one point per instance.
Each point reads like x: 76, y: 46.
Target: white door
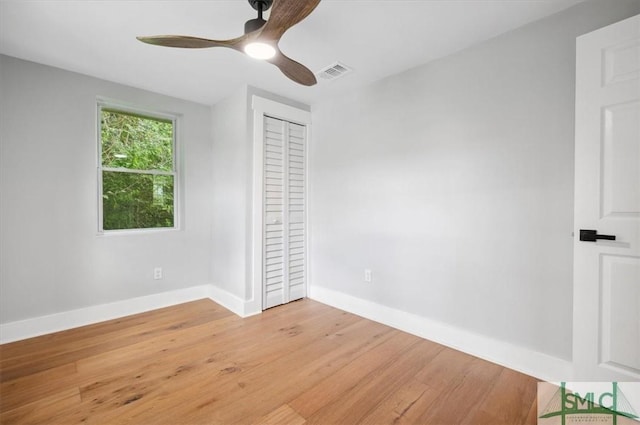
x: 606, y: 319
x: 284, y: 249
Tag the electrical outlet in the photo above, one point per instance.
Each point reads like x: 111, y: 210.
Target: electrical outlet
x: 367, y: 275
x: 157, y: 273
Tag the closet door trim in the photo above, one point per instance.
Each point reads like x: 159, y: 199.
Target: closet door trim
x: 262, y: 107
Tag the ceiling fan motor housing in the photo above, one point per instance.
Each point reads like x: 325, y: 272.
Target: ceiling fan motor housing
x: 254, y: 24
x: 266, y: 4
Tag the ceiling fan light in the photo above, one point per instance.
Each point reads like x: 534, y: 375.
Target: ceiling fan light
x: 260, y: 50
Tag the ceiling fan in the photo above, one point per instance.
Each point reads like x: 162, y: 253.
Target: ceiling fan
x: 260, y: 39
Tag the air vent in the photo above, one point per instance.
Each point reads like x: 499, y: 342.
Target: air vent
x: 334, y: 71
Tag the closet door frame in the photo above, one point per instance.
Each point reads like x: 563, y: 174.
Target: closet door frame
x: 262, y: 107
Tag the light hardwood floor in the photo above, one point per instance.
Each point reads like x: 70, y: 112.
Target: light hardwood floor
x: 302, y: 363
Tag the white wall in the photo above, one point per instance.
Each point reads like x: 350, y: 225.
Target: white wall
x: 231, y: 179
x: 453, y: 182
x: 52, y: 258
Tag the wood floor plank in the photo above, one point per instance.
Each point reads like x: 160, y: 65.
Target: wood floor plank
x: 501, y: 406
x: 402, y: 406
x: 353, y: 406
x: 301, y: 363
x: 38, y: 385
x: 310, y: 369
x: 532, y: 416
x: 43, y: 410
x: 330, y: 389
x: 282, y: 415
x: 464, y: 392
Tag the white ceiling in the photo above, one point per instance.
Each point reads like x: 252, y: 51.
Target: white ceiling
x: 377, y: 38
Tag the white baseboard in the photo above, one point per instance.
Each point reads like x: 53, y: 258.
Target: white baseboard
x: 231, y: 302
x: 533, y: 363
x: 23, y: 329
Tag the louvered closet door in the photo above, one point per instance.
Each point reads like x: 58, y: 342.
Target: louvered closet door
x: 284, y: 250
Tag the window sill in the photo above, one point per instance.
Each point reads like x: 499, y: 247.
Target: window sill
x: 130, y: 232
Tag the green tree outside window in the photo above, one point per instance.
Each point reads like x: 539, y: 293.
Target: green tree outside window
x: 137, y: 171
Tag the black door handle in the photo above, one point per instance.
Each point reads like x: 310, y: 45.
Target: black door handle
x: 592, y: 236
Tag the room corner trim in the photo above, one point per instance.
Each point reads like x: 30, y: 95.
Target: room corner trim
x: 521, y: 359
x: 232, y: 302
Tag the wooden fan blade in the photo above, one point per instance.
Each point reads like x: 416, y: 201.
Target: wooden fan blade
x: 294, y: 70
x: 284, y: 15
x: 192, y: 42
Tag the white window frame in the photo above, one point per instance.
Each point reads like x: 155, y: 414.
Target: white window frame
x: 119, y: 107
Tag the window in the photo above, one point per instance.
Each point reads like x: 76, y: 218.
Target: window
x: 137, y: 170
